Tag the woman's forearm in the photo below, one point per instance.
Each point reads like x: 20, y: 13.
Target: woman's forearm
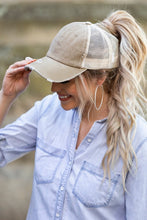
x: 5, y: 104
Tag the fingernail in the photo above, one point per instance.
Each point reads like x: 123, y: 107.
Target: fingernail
x: 28, y: 68
x: 31, y: 61
x: 28, y: 58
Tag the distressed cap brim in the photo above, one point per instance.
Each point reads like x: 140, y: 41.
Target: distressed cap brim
x: 53, y: 70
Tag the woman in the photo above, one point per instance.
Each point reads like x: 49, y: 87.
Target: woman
x: 90, y: 142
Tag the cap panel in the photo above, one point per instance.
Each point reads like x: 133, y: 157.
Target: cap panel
x: 97, y: 64
x: 103, y: 50
x: 112, y: 43
x: 69, y: 45
x: 98, y: 48
x: 78, y: 46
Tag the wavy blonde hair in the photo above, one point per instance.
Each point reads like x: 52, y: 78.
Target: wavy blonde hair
x: 124, y: 86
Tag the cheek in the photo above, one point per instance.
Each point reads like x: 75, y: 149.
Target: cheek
x: 73, y: 91
x: 75, y: 97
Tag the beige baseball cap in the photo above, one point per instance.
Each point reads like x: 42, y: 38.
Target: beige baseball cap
x: 77, y: 47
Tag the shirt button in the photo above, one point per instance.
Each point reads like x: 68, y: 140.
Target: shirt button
x: 89, y: 140
x: 62, y: 188
x: 57, y: 215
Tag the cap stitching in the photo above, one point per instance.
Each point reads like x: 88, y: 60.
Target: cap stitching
x: 87, y: 46
x: 109, y: 46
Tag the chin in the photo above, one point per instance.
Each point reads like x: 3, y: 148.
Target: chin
x: 67, y: 108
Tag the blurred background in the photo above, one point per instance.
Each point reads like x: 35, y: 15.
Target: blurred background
x: 26, y: 29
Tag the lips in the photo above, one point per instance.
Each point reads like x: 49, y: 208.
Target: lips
x: 64, y: 97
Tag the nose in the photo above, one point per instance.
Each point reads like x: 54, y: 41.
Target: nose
x: 56, y: 87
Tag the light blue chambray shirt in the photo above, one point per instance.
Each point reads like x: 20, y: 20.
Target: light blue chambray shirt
x: 67, y: 183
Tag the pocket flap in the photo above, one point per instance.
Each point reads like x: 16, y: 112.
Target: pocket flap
x: 91, y: 189
x: 47, y: 160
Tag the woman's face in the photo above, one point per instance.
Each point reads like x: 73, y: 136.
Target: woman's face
x: 67, y: 94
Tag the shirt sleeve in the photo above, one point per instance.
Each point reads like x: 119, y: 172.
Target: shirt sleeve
x: 19, y: 138
x: 136, y: 184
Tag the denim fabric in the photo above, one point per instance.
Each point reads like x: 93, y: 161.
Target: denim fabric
x: 68, y: 183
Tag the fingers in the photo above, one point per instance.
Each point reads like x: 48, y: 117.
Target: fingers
x: 16, y: 78
x: 31, y: 61
x: 19, y: 66
x: 14, y: 71
x: 22, y: 63
x: 26, y: 75
x: 18, y: 70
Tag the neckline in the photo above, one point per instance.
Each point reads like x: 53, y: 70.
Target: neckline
x: 101, y: 120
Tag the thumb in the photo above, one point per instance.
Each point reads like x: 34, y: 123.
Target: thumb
x: 26, y: 75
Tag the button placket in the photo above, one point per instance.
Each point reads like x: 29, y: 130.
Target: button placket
x: 61, y: 192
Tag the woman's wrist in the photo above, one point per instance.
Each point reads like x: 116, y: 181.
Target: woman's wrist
x: 6, y: 98
x: 5, y: 104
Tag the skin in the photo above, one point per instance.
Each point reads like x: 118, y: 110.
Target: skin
x: 16, y: 81
x: 68, y: 96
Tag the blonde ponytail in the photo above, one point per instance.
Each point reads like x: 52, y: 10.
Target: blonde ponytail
x: 133, y: 42
x: 127, y: 96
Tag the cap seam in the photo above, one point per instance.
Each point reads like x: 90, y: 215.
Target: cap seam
x: 87, y: 47
x: 109, y: 46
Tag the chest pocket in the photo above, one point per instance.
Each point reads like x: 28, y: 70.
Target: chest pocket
x: 90, y: 188
x: 47, y: 160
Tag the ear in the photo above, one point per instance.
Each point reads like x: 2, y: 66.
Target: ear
x: 101, y: 80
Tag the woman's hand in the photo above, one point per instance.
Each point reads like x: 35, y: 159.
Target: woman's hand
x: 16, y: 79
